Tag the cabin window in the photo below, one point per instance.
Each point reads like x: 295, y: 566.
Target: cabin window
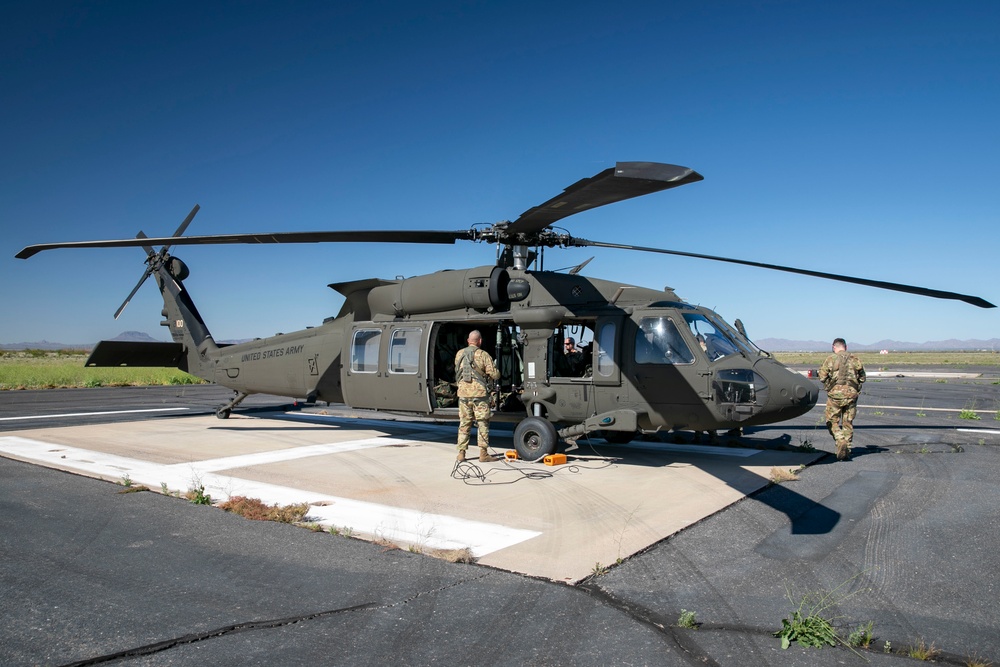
x: 606, y: 350
x: 364, y: 350
x: 657, y: 341
x: 404, y: 351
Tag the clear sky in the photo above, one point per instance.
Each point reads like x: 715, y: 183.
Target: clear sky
x: 851, y: 137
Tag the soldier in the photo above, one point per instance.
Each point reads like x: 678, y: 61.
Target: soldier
x: 842, y: 374
x: 474, y: 369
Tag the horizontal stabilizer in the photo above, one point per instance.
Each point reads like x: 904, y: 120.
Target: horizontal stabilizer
x: 110, y: 353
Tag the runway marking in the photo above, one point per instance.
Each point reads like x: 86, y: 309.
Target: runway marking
x: 922, y: 409
x: 395, y: 524
x: 978, y: 430
x: 89, y: 414
x: 278, y: 455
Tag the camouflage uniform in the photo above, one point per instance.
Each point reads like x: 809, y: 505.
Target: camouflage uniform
x: 473, y: 397
x: 842, y: 374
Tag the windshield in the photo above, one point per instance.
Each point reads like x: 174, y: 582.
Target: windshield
x: 715, y: 339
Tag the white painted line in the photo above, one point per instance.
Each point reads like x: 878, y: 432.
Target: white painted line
x: 922, y: 409
x: 396, y: 524
x: 923, y: 374
x: 373, y: 423
x: 291, y: 454
x: 978, y: 430
x: 90, y: 414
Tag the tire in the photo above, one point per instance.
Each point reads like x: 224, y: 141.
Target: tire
x: 535, y: 438
x: 618, y: 437
x: 223, y: 413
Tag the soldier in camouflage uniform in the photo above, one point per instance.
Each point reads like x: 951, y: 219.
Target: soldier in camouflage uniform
x: 474, y: 369
x: 842, y: 374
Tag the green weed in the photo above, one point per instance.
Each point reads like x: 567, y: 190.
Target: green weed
x: 862, y: 636
x: 198, y: 496
x: 808, y: 625
x: 968, y: 414
x: 687, y: 619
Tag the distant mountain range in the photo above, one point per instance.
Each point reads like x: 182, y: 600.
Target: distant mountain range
x: 769, y: 344
x: 784, y: 345
x: 46, y: 345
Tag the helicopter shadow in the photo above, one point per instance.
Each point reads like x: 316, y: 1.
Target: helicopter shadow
x: 805, y: 515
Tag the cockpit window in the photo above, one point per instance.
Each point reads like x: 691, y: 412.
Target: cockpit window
x: 714, y: 340
x: 659, y: 342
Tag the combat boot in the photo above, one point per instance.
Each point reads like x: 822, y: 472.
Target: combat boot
x: 461, y: 455
x: 484, y: 456
x: 843, y: 451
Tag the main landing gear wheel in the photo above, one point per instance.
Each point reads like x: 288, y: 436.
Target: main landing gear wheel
x: 535, y: 438
x: 223, y: 413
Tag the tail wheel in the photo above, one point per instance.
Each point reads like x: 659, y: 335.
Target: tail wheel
x: 535, y: 438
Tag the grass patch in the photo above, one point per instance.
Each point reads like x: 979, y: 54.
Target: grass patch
x: 923, y: 651
x: 41, y: 369
x: 463, y: 555
x: 876, y: 360
x: 256, y: 510
x: 598, y: 570
x: 779, y: 475
x: 968, y: 414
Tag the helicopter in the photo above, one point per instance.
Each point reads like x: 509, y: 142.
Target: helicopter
x: 650, y: 361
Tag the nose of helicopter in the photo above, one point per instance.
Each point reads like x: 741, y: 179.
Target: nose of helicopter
x: 791, y: 394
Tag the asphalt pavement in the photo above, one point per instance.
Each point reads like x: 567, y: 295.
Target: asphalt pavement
x: 904, y: 536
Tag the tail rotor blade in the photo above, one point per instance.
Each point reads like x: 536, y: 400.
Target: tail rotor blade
x: 145, y: 275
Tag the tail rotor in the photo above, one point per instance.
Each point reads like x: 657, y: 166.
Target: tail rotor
x: 154, y: 260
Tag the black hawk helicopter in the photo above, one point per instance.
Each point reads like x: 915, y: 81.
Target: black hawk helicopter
x: 650, y: 360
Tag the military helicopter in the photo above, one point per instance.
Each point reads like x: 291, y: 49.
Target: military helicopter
x: 651, y: 360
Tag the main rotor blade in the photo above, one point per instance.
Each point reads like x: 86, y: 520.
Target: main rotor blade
x: 623, y: 181
x: 369, y: 236
x: 881, y: 284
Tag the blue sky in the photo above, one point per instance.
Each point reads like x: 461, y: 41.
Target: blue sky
x: 857, y: 138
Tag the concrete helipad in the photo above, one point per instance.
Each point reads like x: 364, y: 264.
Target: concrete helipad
x: 396, y: 481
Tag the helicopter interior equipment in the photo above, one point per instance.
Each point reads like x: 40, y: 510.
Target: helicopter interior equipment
x: 649, y: 360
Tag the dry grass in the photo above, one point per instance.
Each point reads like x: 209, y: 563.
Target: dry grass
x: 779, y: 475
x: 923, y: 651
x: 463, y: 555
x: 255, y: 510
